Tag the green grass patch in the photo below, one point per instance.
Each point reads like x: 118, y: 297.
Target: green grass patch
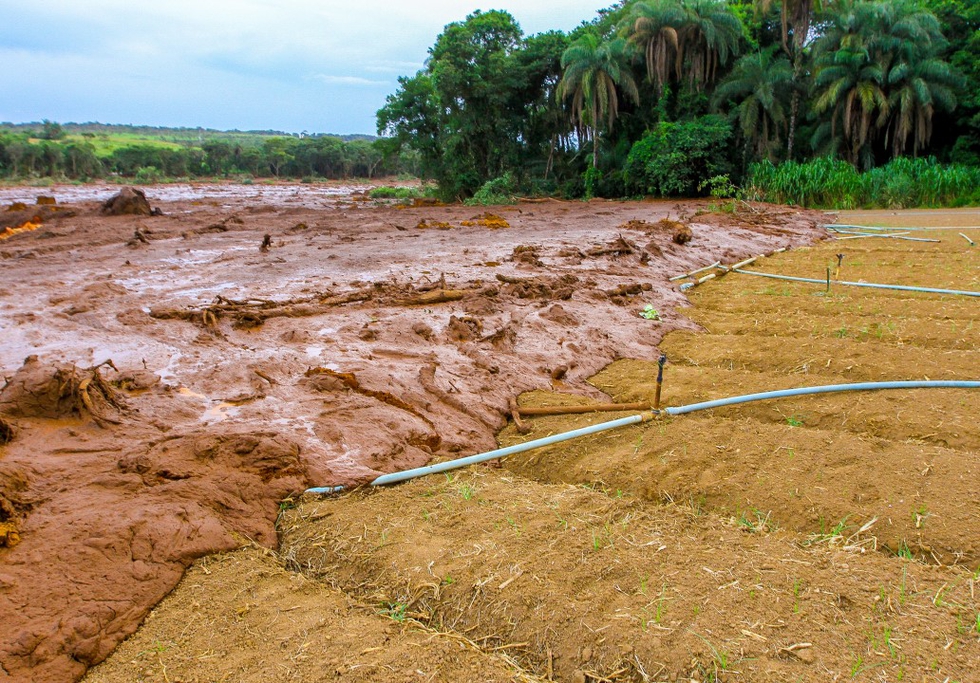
x: 833, y: 184
x: 388, y: 192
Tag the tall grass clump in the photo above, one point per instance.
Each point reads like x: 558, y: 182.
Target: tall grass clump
x: 389, y: 192
x: 833, y: 184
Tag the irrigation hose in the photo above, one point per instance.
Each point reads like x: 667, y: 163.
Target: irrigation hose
x: 832, y: 226
x: 904, y: 288
x: 396, y: 477
x: 825, y: 389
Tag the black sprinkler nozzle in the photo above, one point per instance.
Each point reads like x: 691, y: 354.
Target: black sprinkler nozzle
x: 661, y: 362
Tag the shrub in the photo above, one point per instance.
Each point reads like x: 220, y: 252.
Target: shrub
x: 388, y: 192
x: 148, y: 175
x: 676, y: 158
x: 500, y: 190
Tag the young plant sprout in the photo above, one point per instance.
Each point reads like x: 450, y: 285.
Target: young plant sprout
x: 650, y: 313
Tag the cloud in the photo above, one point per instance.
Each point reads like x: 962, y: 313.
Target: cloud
x: 285, y: 64
x: 346, y: 80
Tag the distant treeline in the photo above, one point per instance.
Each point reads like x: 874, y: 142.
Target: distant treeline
x: 147, y: 154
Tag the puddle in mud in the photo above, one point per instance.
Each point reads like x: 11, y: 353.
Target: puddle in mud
x: 217, y: 412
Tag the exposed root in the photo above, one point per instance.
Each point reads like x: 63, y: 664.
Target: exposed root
x: 53, y: 392
x: 539, y: 288
x: 94, y: 394
x: 253, y: 312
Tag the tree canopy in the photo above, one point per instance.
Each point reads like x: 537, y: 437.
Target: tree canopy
x: 857, y: 80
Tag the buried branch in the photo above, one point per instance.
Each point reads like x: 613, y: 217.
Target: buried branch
x: 253, y: 312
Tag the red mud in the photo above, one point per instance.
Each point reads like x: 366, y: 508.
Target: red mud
x: 356, y: 344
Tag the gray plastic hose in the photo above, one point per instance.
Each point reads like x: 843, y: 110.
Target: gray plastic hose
x: 904, y: 288
x: 396, y: 477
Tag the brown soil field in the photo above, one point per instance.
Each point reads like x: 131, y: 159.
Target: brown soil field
x: 151, y: 505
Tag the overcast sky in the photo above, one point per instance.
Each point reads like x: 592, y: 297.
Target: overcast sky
x: 292, y: 65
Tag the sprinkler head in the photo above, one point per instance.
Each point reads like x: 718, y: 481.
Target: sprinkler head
x: 662, y: 361
x: 840, y: 260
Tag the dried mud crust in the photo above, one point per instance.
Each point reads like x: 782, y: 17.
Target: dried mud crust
x: 258, y: 349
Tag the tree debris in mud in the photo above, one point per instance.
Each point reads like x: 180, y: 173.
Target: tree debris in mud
x: 39, y: 390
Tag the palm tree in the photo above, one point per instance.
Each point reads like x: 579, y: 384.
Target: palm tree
x: 593, y: 72
x: 654, y: 28
x: 850, y: 88
x: 759, y: 86
x: 796, y: 17
x: 679, y: 35
x: 710, y: 34
x: 878, y: 76
x: 917, y: 90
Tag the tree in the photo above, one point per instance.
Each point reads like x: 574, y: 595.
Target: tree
x: 81, y: 160
x: 759, y: 86
x: 218, y: 154
x: 474, y: 113
x: 796, y: 17
x: 683, y: 36
x: 594, y: 71
x: 411, y: 119
x: 278, y: 152
x: 470, y: 66
x: 879, y: 79
x: 50, y: 130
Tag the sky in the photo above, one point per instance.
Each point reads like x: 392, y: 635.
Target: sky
x: 291, y: 65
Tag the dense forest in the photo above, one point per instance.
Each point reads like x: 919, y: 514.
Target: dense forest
x: 685, y: 97
x: 151, y: 154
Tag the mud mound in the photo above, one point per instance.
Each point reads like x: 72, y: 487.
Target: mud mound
x: 6, y: 433
x: 19, y: 217
x: 128, y: 202
x: 486, y: 220
x: 13, y: 484
x: 681, y: 234
x: 51, y: 391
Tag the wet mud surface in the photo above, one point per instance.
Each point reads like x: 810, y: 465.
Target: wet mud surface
x: 170, y: 380
x: 808, y: 539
